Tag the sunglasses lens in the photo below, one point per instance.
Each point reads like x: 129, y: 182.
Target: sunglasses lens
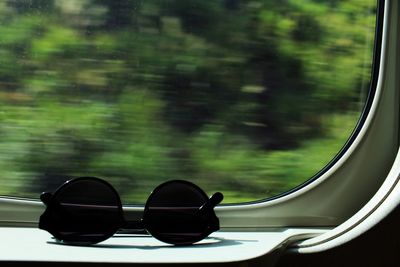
x: 85, y: 210
x: 172, y: 213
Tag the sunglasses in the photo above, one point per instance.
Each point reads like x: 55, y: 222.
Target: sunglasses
x: 88, y: 210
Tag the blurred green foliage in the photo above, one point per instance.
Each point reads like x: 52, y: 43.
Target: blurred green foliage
x: 247, y: 97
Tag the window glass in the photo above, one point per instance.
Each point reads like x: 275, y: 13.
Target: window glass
x: 247, y: 97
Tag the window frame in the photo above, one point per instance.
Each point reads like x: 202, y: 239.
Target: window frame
x: 337, y: 192
x: 353, y: 179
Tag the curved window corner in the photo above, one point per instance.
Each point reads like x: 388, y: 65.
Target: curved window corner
x: 353, y: 179
x: 386, y: 199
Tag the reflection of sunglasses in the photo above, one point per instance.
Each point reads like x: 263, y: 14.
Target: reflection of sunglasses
x: 88, y: 210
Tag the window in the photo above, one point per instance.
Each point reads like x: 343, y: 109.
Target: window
x: 359, y: 182
x: 251, y: 98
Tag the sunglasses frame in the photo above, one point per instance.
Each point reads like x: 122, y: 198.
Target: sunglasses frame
x: 206, y: 211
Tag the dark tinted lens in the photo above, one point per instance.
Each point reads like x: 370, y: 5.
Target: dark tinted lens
x: 172, y: 213
x: 85, y: 211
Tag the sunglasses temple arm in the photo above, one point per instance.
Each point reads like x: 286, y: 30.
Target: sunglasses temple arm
x: 213, y: 201
x: 208, y: 207
x: 45, y: 197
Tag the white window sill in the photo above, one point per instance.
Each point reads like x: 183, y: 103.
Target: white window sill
x: 34, y: 245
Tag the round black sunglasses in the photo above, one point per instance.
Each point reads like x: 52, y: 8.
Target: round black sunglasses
x: 88, y: 210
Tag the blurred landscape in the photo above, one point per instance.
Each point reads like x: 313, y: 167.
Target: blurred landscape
x: 247, y: 97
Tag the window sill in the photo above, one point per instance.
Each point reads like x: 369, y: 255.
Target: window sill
x: 34, y: 245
